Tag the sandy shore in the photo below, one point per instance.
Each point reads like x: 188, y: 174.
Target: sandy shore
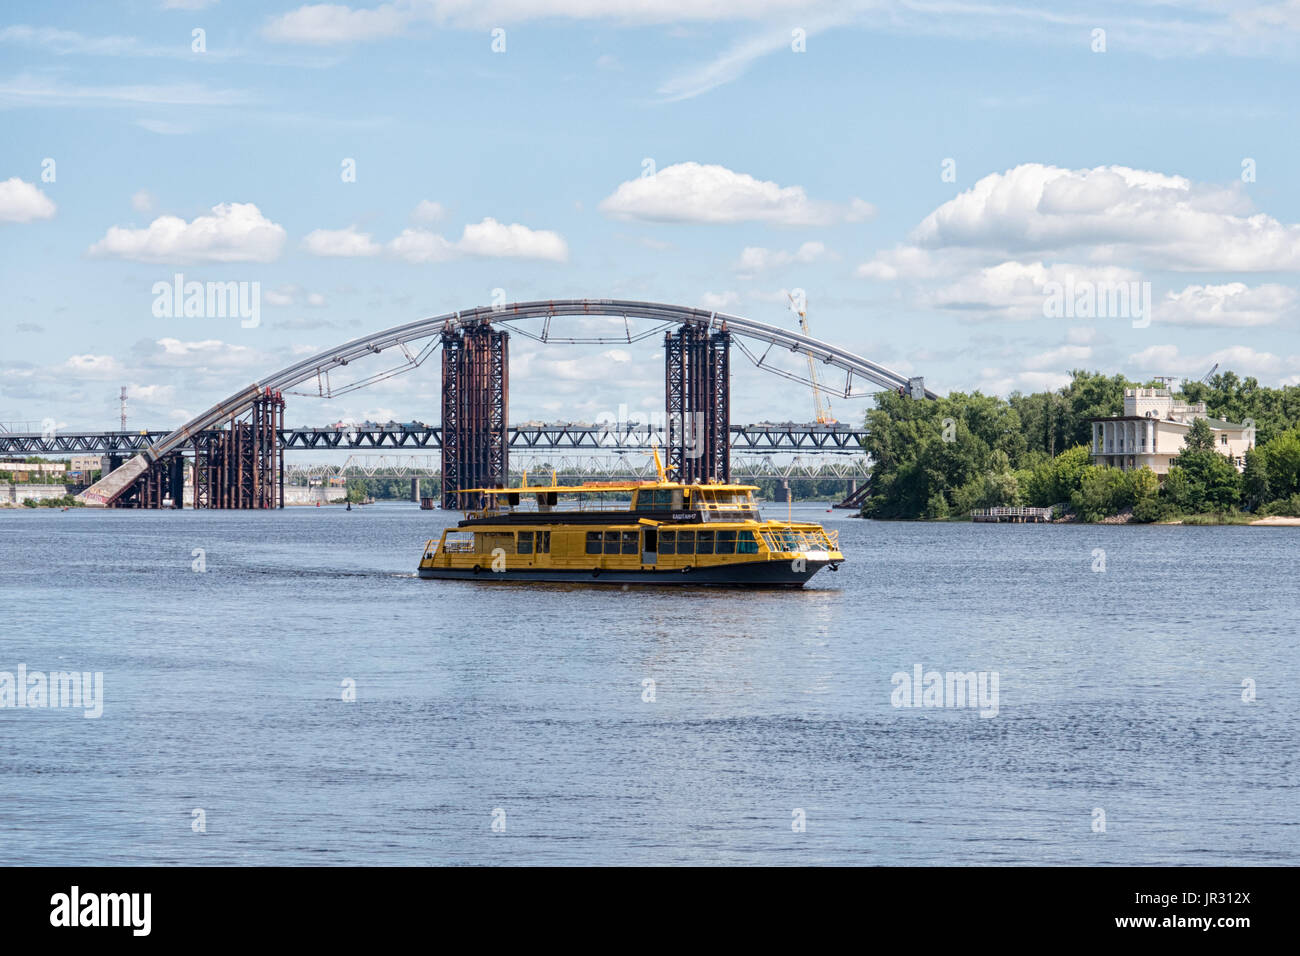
x: 1279, y: 520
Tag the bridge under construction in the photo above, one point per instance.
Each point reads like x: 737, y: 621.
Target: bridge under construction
x: 234, y: 451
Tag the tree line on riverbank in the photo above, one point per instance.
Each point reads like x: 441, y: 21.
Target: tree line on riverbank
x: 943, y: 458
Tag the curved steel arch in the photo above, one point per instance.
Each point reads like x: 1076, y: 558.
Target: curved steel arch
x: 216, y: 416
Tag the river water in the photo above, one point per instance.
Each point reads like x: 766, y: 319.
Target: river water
x: 512, y: 723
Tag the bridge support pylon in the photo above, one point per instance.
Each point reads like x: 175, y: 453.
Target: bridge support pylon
x: 475, y: 411
x: 697, y: 390
x: 241, y: 466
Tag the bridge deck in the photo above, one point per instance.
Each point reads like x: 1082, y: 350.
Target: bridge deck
x: 755, y: 438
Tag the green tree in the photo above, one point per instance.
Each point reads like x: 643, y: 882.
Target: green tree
x: 1282, y: 458
x: 937, y: 507
x: 1090, y: 395
x: 1255, y: 480
x: 1200, y: 437
x: 1214, y: 481
x: 1179, y: 492
x: 1143, y: 483
x: 1103, y: 491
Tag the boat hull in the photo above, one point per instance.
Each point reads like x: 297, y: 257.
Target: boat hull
x: 761, y: 574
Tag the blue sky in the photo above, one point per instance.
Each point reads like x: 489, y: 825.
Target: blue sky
x: 522, y: 170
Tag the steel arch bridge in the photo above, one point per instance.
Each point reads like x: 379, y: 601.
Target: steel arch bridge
x: 402, y: 337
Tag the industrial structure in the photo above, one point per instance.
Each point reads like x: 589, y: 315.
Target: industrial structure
x: 239, y: 466
x: 242, y: 466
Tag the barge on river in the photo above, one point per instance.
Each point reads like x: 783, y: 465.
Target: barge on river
x: 634, y: 532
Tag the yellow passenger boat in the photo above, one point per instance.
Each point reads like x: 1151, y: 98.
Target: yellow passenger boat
x: 629, y: 532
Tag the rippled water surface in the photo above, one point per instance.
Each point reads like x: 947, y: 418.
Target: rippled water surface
x: 1119, y: 691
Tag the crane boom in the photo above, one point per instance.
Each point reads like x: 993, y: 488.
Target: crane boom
x: 821, y: 404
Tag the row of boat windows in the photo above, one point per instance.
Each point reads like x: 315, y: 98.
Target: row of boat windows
x: 661, y: 499
x: 658, y: 499
x: 674, y: 542
x: 528, y: 542
x: 707, y: 542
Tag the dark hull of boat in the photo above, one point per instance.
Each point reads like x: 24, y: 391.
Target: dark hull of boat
x: 761, y: 574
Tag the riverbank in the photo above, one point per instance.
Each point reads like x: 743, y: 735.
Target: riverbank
x: 1126, y: 518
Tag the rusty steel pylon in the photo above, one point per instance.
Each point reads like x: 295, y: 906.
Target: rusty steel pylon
x: 165, y: 479
x: 475, y: 411
x: 241, y: 466
x: 697, y: 391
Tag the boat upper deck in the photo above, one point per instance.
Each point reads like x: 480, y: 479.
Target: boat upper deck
x: 660, y: 499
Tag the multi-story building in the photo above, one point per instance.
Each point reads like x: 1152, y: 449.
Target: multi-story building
x: 35, y: 471
x: 1152, y: 429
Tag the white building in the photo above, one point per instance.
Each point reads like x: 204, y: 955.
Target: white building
x: 1152, y: 429
x: 34, y: 471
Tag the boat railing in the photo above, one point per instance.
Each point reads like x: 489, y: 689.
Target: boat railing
x: 790, y: 540
x: 584, y: 503
x: 458, y: 542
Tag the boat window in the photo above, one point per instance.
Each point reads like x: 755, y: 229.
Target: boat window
x: 667, y: 542
x: 685, y: 542
x: 726, y: 542
x: 611, y: 542
x: 525, y: 542
x: 458, y: 541
x: 747, y: 543
x: 704, y: 542
x: 543, y: 542
x: 593, y: 542
x: 655, y: 499
x: 772, y: 542
x: 631, y: 542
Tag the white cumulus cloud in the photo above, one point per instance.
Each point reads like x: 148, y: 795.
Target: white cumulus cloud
x: 234, y: 232
x: 428, y: 211
x: 325, y: 24
x: 22, y: 202
x: 694, y: 192
x: 1233, y: 305
x: 1118, y: 214
x: 754, y: 259
x: 340, y: 243
x: 492, y: 238
x: 718, y: 301
x: 421, y: 245
x: 1018, y: 290
x: 489, y: 238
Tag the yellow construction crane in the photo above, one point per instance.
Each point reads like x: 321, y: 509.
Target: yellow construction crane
x: 821, y: 404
